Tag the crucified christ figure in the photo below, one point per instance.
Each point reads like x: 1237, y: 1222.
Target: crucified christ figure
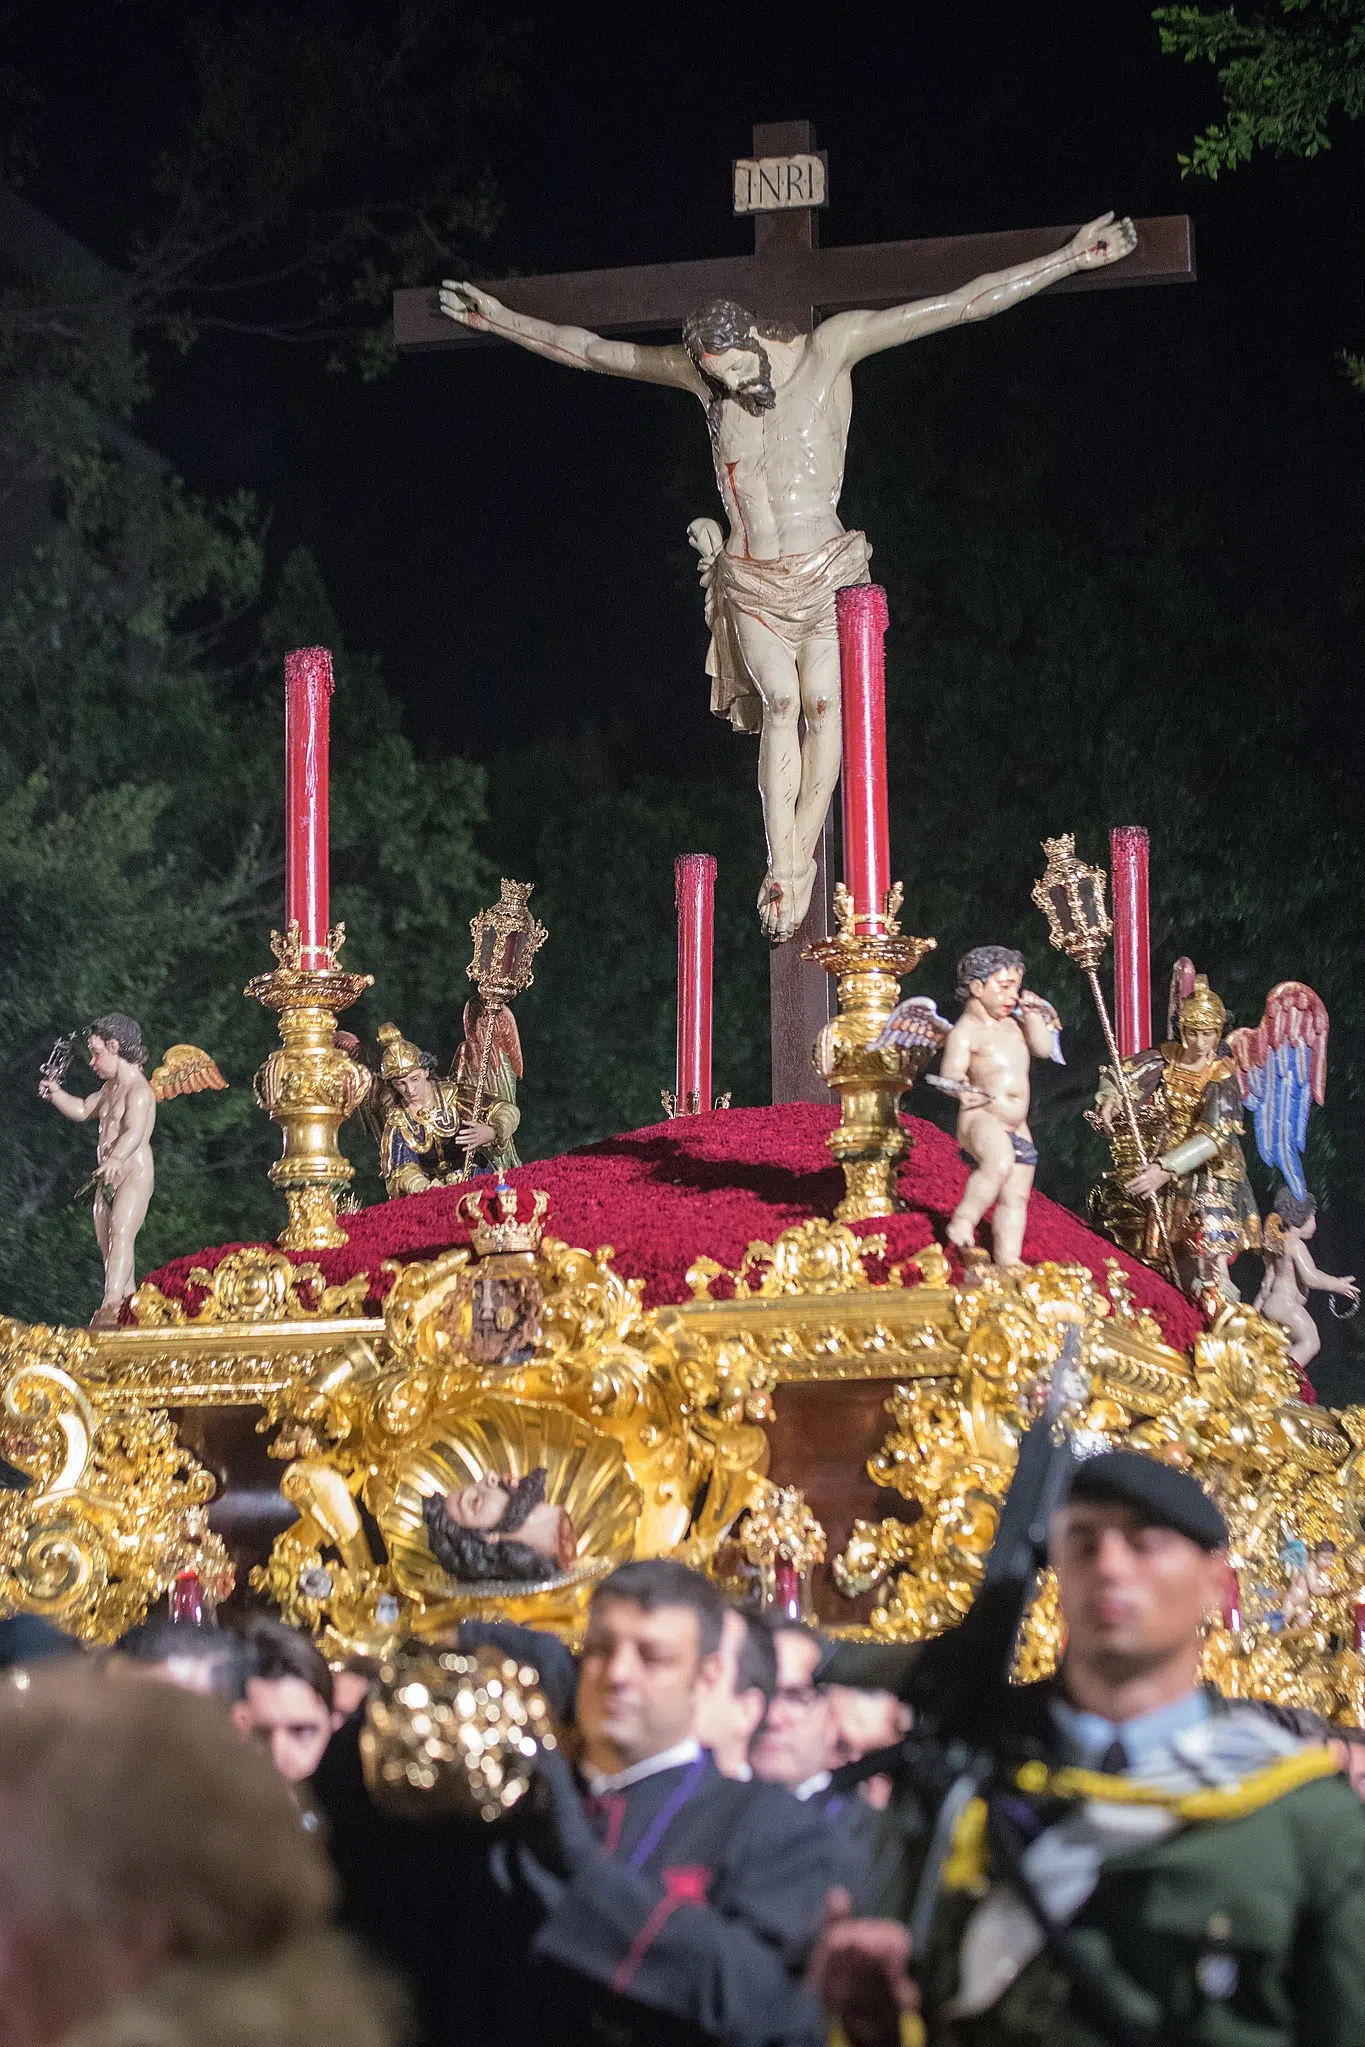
x: 778, y: 405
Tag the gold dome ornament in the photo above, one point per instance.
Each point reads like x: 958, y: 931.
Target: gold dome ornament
x: 453, y: 1731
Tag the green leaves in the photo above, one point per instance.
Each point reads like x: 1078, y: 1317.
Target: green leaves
x: 1284, y: 73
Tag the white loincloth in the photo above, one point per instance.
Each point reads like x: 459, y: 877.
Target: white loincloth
x: 793, y: 595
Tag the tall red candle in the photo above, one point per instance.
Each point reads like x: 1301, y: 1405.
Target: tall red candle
x: 1132, y: 939
x: 863, y: 619
x: 694, y: 888
x: 307, y: 728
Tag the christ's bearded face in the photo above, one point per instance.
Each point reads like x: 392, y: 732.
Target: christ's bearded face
x: 480, y: 1505
x: 744, y: 374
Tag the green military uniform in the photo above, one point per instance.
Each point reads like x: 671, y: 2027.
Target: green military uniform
x: 1218, y: 1888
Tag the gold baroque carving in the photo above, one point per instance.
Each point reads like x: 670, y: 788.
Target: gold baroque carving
x: 671, y: 1406
x: 113, y: 1509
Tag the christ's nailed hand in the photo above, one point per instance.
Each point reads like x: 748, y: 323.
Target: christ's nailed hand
x: 467, y: 304
x: 1104, y: 240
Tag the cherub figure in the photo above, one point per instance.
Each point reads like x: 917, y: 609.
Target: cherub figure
x: 1309, y: 1579
x: 125, y: 1103
x: 986, y: 1065
x: 1291, y: 1275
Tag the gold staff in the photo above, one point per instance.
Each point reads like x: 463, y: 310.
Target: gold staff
x: 506, y: 940
x: 1070, y: 895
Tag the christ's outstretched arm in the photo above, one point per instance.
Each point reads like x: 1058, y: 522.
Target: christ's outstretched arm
x: 578, y: 347
x: 851, y: 336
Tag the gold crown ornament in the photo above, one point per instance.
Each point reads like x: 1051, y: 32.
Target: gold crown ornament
x: 1202, y: 1010
x: 494, y: 1224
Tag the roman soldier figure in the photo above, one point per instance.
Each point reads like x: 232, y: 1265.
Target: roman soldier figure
x: 1189, y: 1108
x: 437, y: 1131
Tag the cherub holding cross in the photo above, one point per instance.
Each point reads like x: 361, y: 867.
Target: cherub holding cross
x: 778, y: 405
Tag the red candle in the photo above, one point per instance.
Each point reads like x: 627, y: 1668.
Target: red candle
x: 863, y: 619
x: 307, y: 723
x: 1132, y: 939
x: 187, y: 1600
x: 787, y: 1588
x: 1232, y: 1592
x: 694, y: 889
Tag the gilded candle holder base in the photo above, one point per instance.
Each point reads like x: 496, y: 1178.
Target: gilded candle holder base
x: 868, y: 1078
x: 309, y: 1087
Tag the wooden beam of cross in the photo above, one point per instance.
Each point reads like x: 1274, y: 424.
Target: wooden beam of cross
x: 790, y: 277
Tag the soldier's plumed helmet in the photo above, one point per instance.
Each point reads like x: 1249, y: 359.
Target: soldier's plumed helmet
x: 400, y: 1054
x: 983, y: 961
x: 1161, y: 1495
x: 120, y: 1030
x: 1202, y: 1010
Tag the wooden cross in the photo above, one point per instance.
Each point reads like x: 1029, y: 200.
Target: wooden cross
x: 790, y: 277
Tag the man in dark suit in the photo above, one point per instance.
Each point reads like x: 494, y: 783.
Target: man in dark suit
x: 675, y: 1905
x: 640, y: 1899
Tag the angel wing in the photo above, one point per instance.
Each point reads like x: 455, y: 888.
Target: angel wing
x: 913, y: 1025
x: 185, y: 1070
x: 486, y: 1034
x: 1282, y: 1071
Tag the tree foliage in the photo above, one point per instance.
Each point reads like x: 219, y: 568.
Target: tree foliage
x: 1285, y: 73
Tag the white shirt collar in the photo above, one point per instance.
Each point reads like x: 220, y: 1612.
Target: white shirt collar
x: 667, y: 1759
x: 819, y: 1782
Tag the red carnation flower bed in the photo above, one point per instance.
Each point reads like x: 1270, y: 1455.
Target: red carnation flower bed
x: 710, y: 1185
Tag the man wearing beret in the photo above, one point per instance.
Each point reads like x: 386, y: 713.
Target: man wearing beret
x: 1135, y: 1859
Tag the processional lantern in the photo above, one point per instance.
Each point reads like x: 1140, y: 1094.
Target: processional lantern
x: 1070, y: 893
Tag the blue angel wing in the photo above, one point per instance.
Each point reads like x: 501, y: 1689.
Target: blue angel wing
x: 1282, y: 1069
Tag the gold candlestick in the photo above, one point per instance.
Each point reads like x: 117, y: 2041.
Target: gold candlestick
x: 308, y: 1087
x: 869, y: 1079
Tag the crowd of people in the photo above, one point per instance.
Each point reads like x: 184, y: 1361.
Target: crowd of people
x: 732, y: 1842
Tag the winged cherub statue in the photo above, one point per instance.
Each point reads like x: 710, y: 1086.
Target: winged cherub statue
x: 125, y: 1103
x: 1282, y: 1070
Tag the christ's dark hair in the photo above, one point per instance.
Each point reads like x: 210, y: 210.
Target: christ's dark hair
x: 722, y: 324
x: 274, y: 1651
x: 1294, y: 1210
x: 981, y: 962
x: 475, y: 1557
x: 120, y: 1030
x: 659, y: 1581
x: 165, y: 1641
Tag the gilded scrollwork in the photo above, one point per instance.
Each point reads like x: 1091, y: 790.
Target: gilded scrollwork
x: 653, y: 1428
x: 111, y: 1507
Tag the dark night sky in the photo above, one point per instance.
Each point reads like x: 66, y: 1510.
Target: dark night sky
x: 510, y: 536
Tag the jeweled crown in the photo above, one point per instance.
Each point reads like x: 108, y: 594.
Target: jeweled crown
x: 494, y: 1224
